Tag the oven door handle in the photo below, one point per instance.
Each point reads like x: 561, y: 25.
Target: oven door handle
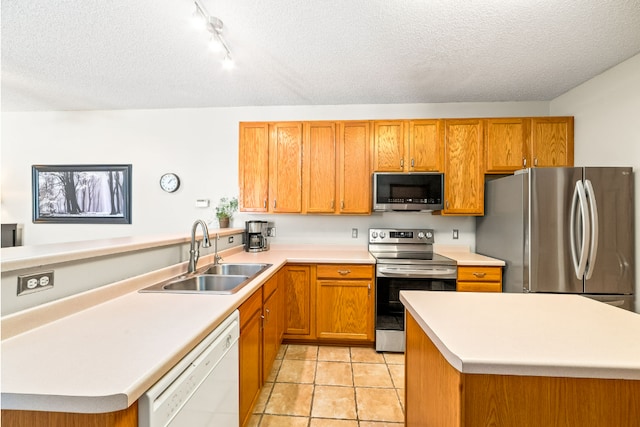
x: 418, y: 273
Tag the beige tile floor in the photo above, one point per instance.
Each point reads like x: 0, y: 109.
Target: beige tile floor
x: 322, y: 386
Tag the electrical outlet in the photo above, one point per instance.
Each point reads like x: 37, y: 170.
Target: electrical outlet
x: 354, y: 233
x: 35, y: 282
x: 271, y: 231
x: 230, y: 239
x: 455, y: 233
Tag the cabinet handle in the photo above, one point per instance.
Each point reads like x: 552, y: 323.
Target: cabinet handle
x: 524, y: 162
x: 342, y: 204
x: 344, y: 272
x: 268, y: 313
x: 333, y: 204
x: 368, y: 289
x: 274, y: 203
x: 401, y: 163
x: 535, y: 162
x: 265, y: 203
x: 479, y: 274
x: 446, y: 204
x: 413, y: 162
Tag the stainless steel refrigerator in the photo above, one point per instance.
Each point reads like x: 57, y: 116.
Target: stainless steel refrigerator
x: 563, y: 230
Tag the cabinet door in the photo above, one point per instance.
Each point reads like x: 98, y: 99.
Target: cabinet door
x: 464, y: 178
x: 506, y: 142
x: 425, y: 145
x: 354, y: 174
x: 298, y: 300
x: 345, y: 309
x: 250, y: 353
x: 320, y: 167
x: 552, y: 141
x: 285, y: 167
x: 479, y: 279
x: 271, y: 339
x: 254, y: 167
x: 389, y: 146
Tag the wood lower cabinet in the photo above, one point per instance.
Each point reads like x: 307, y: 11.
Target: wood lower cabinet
x: 299, y: 301
x: 479, y: 279
x: 463, y: 167
x: 436, y: 394
x: 272, y: 321
x: 125, y: 418
x: 250, y: 351
x: 345, y: 302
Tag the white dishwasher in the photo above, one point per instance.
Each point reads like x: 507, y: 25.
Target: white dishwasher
x: 202, y: 389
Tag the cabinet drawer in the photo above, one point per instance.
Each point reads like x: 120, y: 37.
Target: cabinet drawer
x: 269, y: 287
x: 344, y: 271
x: 480, y: 274
x: 479, y: 287
x: 250, y: 307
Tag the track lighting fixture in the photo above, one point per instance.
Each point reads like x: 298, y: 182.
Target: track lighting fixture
x: 214, y: 26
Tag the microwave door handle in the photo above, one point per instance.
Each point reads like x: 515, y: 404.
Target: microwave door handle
x: 595, y: 231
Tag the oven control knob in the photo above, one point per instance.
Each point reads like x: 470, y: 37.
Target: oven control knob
x: 429, y: 234
x: 420, y: 235
x: 383, y: 234
x: 374, y: 234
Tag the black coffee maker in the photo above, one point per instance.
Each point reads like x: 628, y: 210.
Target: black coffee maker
x: 255, y: 238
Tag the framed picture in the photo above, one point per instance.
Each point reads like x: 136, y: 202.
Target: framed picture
x: 91, y: 194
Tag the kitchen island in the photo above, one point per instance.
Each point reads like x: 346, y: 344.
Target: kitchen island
x: 476, y: 359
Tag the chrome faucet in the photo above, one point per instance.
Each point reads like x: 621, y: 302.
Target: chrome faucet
x: 194, y: 251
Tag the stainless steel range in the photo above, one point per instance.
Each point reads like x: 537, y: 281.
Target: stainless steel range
x: 404, y: 261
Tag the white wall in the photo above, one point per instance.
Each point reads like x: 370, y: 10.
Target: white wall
x: 201, y: 146
x: 607, y: 113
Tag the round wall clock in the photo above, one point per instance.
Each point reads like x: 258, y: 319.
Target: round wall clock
x: 169, y: 182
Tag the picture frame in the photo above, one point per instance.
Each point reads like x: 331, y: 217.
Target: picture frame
x: 82, y: 194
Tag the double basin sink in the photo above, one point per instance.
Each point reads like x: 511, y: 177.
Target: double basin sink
x: 221, y: 279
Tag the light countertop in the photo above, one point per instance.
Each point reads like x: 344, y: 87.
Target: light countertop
x: 103, y: 358
x: 529, y: 334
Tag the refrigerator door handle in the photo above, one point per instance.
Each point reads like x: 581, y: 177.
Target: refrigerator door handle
x: 579, y: 197
x: 593, y: 251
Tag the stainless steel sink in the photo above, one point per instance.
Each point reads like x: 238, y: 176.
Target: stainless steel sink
x: 219, y: 279
x: 236, y: 269
x: 208, y: 283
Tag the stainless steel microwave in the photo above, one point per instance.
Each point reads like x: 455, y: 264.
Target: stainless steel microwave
x: 415, y: 191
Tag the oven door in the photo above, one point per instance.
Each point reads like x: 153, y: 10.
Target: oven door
x: 390, y: 280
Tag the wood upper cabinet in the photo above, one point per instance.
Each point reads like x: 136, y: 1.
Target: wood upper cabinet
x: 345, y: 302
x: 426, y: 140
x: 285, y: 167
x: 253, y: 167
x: 389, y: 140
x: 299, y: 301
x: 319, y: 165
x: 551, y: 141
x: 516, y: 143
x: 354, y: 174
x: 463, y: 167
x: 506, y: 142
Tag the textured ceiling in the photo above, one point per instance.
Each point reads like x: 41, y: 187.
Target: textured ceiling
x: 124, y: 54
